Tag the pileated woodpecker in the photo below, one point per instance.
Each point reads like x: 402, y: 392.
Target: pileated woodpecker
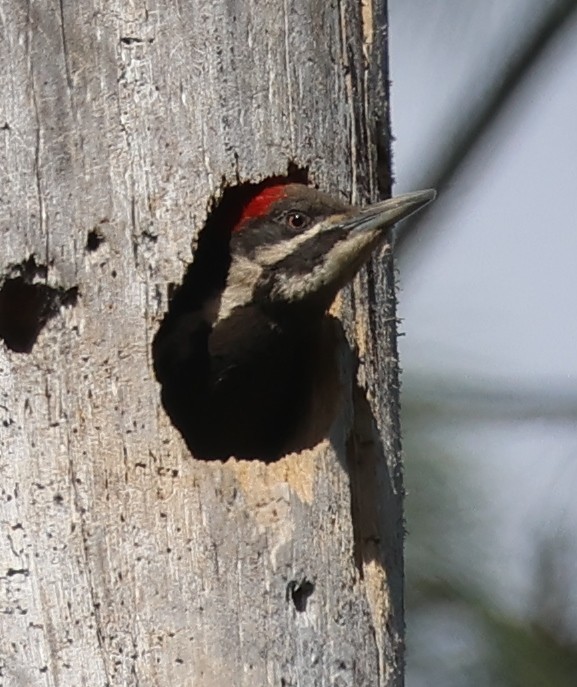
x: 239, y: 360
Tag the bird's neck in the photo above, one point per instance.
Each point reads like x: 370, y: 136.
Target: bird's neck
x: 250, y: 332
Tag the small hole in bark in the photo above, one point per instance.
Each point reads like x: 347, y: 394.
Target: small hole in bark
x: 26, y: 307
x: 299, y: 593
x: 131, y: 40
x: 221, y: 407
x: 94, y: 239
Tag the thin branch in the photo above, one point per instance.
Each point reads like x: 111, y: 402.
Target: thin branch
x: 431, y: 397
x: 477, y: 123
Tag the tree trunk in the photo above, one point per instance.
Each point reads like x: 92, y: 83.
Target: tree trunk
x: 124, y: 560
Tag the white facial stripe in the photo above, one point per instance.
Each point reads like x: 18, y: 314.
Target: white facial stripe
x: 341, y: 264
x: 268, y: 255
x: 242, y: 276
x: 293, y: 287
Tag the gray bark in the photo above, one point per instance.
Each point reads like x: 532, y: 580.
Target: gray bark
x: 124, y: 560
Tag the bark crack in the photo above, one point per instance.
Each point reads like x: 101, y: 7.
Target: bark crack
x: 92, y: 594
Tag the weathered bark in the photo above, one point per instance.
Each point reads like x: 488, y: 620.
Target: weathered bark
x: 124, y: 560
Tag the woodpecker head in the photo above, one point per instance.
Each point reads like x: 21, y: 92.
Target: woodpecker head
x: 294, y: 247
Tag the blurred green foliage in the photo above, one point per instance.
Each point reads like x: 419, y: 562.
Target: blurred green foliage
x: 449, y: 586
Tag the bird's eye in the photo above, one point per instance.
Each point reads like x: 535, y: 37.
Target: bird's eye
x: 296, y: 220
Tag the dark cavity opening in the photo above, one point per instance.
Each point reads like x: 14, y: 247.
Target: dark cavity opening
x: 213, y: 386
x: 26, y: 307
x: 94, y: 239
x: 299, y: 593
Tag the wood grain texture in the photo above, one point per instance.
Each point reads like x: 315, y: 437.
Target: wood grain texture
x: 123, y: 560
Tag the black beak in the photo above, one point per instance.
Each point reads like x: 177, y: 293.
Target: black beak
x: 384, y: 215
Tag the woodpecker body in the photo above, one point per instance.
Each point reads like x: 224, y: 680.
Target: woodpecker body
x: 241, y: 364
